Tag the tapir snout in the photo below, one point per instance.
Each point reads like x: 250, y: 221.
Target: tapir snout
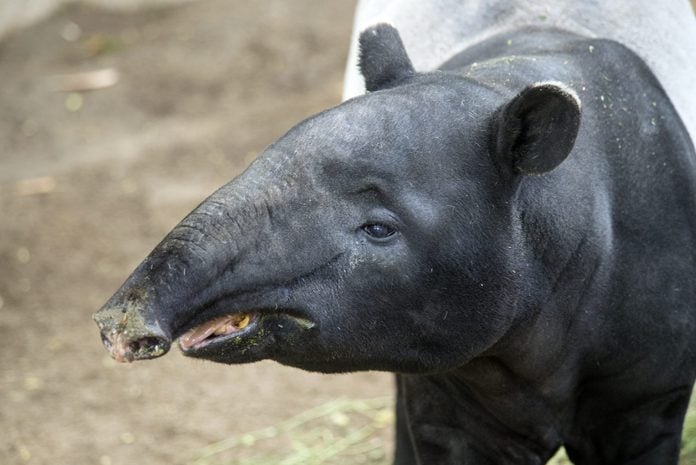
x: 127, y: 335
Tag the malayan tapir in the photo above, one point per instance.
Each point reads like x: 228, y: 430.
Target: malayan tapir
x: 513, y: 233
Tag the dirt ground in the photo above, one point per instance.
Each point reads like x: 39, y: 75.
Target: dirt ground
x: 91, y: 181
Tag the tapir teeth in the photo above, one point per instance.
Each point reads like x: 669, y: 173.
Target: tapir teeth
x: 220, y: 326
x: 244, y: 322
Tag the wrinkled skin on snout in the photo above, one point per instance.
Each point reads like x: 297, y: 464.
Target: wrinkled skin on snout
x: 342, y: 249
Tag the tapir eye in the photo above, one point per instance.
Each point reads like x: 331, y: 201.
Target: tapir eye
x: 378, y: 230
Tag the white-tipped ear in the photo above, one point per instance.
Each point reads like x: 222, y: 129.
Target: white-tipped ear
x: 536, y: 130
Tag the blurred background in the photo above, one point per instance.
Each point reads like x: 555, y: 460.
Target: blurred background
x: 117, y: 117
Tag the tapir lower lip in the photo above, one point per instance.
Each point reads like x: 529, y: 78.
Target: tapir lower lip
x: 257, y: 318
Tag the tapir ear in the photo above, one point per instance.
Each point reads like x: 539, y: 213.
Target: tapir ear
x: 383, y: 59
x: 536, y: 130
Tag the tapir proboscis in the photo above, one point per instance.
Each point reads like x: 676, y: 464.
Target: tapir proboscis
x: 512, y: 233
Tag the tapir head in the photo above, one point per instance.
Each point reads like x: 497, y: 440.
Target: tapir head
x: 379, y: 234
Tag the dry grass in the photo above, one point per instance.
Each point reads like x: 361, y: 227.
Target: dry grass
x: 343, y: 431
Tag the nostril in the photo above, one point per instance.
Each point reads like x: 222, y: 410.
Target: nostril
x: 106, y: 341
x: 147, y: 347
x: 144, y: 343
x: 129, y: 339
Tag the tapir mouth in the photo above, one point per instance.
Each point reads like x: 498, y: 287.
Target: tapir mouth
x: 217, y: 330
x: 238, y: 326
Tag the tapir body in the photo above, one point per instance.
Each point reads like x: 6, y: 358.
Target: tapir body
x: 662, y: 34
x: 513, y: 234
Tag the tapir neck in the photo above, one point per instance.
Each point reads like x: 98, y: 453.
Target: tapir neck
x: 566, y: 257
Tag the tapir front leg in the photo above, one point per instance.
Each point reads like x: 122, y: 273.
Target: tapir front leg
x: 612, y: 432
x: 451, y: 429
x: 404, y: 454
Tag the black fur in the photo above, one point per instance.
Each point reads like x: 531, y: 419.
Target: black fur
x: 383, y: 60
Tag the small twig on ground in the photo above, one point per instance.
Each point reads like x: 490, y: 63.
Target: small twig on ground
x: 90, y: 80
